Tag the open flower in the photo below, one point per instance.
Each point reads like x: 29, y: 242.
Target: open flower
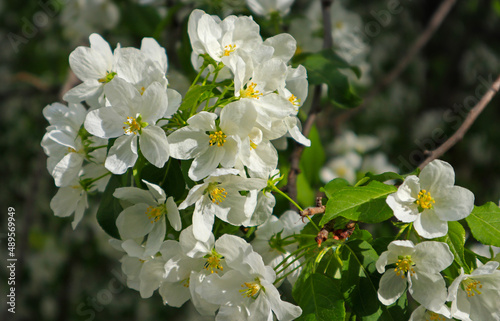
x: 147, y: 215
x: 131, y: 117
x: 211, y: 144
x: 422, y: 314
x: 475, y: 296
x: 418, y: 266
x: 219, y: 195
x: 246, y: 291
x: 431, y: 199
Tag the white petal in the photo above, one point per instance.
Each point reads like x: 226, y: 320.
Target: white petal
x: 283, y: 310
x: 154, y: 103
x: 391, y: 287
x: 156, y: 237
x: 429, y: 289
x: 432, y: 256
x: 104, y: 122
x: 194, y: 195
x: 174, y: 294
x: 294, y: 130
x: 133, y: 222
x: 206, y: 163
x: 122, y: 154
x: 193, y: 247
x: 284, y: 46
x: 436, y: 176
x: 67, y: 169
x: 202, y: 224
x: 154, y: 145
x: 454, y: 203
x: 155, y: 52
x: 173, y: 214
x: 429, y: 225
x: 87, y: 90
x: 151, y: 276
x: 88, y: 63
x: 187, y: 143
x: 134, y: 195
x: 405, y: 212
x: 174, y: 101
x: 65, y: 201
x: 123, y: 97
x: 238, y: 118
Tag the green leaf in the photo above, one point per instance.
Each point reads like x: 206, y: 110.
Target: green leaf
x: 333, y: 186
x: 360, y: 282
x: 194, y: 95
x: 363, y: 203
x: 387, y: 176
x: 320, y: 299
x: 484, y: 223
x: 322, y: 68
x: 456, y: 240
x: 110, y: 208
x: 313, y: 158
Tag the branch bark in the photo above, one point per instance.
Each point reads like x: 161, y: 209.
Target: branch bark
x: 469, y: 120
x: 436, y: 20
x: 291, y: 187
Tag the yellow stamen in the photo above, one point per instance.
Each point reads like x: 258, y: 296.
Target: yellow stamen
x: 155, y: 213
x: 213, y: 262
x: 71, y: 150
x: 217, y: 138
x: 294, y: 100
x: 216, y: 194
x: 425, y: 200
x: 253, y: 288
x: 471, y: 287
x: 109, y: 76
x: 142, y: 90
x: 134, y: 125
x: 252, y: 145
x: 250, y: 92
x: 228, y: 50
x: 185, y: 283
x: 404, y: 265
x: 432, y: 316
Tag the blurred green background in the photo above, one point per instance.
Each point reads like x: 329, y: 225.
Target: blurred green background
x: 75, y: 275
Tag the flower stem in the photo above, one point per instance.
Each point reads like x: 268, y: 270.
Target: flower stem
x: 294, y: 203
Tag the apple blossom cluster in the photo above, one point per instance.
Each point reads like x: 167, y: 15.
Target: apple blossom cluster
x: 188, y: 186
x: 135, y: 119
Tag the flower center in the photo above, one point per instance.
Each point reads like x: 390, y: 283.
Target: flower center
x: 134, y: 125
x: 432, y: 316
x: 109, y: 76
x: 403, y: 265
x: 252, y: 145
x: 250, y: 92
x: 228, y: 50
x: 294, y: 100
x: 252, y: 289
x: 471, y: 287
x: 185, y: 283
x: 217, y: 138
x: 155, y: 213
x: 216, y: 194
x: 425, y: 200
x: 213, y: 262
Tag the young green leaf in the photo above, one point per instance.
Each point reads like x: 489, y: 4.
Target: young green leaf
x: 484, y: 223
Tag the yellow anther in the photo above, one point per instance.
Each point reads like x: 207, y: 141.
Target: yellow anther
x: 185, y: 283
x: 213, y: 263
x: 228, y: 49
x: 252, y: 145
x: 155, y: 213
x: 71, y: 150
x: 404, y: 265
x: 432, y: 316
x: 471, y: 287
x: 109, y: 76
x: 142, y: 90
x: 250, y: 92
x: 294, y: 100
x: 252, y: 288
x: 134, y: 125
x: 142, y: 261
x: 425, y: 200
x: 217, y: 138
x: 217, y: 195
x: 339, y: 25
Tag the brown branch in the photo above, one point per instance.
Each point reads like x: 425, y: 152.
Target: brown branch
x: 436, y: 20
x: 469, y: 120
x: 291, y: 187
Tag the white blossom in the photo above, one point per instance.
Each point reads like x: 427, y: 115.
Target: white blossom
x: 417, y: 266
x: 431, y: 200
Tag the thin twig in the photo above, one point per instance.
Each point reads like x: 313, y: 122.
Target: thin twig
x: 436, y: 20
x: 469, y: 120
x: 291, y: 187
